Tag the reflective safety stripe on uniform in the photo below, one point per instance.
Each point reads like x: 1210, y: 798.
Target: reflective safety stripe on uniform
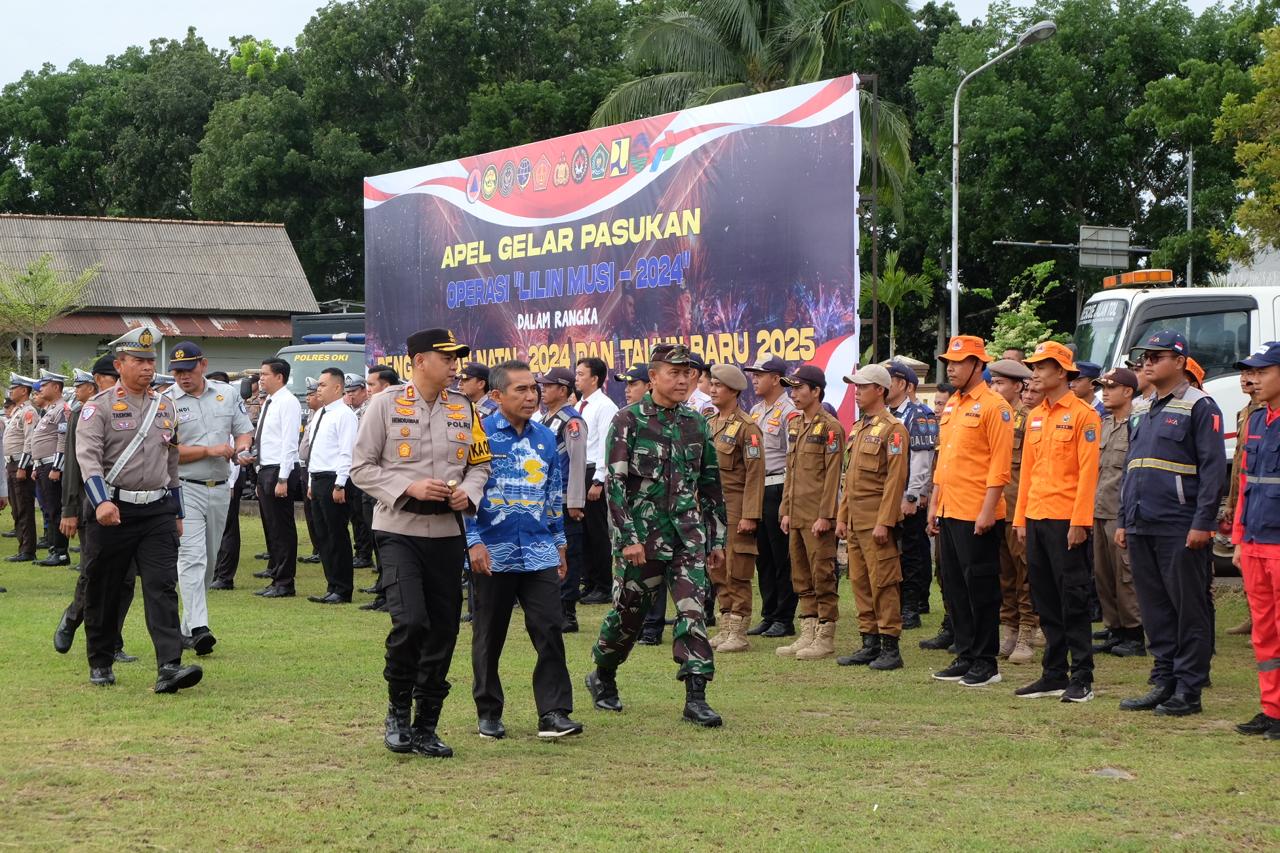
x: 1262, y: 586
x: 1163, y: 465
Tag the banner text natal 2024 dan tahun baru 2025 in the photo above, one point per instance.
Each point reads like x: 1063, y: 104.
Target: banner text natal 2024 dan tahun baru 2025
x: 730, y: 227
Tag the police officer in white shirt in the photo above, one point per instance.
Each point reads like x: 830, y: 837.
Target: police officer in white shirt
x: 597, y: 411
x: 208, y: 413
x: 275, y: 452
x: 333, y: 435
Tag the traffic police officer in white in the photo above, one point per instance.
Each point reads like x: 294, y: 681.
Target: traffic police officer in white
x: 209, y: 416
x: 127, y: 447
x: 48, y: 446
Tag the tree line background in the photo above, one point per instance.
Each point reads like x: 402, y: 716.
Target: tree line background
x: 1091, y: 127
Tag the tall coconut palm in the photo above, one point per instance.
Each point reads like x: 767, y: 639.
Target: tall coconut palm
x: 892, y: 288
x: 704, y: 51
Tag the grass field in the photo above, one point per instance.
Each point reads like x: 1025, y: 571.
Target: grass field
x: 281, y: 748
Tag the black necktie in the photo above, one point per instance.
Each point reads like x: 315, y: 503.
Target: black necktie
x: 315, y: 431
x: 257, y: 436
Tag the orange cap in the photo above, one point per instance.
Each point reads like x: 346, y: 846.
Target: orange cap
x: 1053, y: 351
x: 965, y: 346
x: 1194, y: 369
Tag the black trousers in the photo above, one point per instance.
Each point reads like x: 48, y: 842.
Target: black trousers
x: 917, y: 568
x: 970, y: 577
x: 334, y: 546
x: 229, y: 551
x: 361, y: 532
x: 75, y: 611
x: 422, y: 580
x: 573, y: 535
x: 1170, y: 579
x: 280, y: 526
x: 149, y: 535
x: 1060, y: 578
x: 51, y: 500
x: 366, y: 509
x: 309, y: 518
x: 539, y: 597
x: 22, y: 502
x: 597, y: 550
x: 655, y: 618
x: 773, y: 564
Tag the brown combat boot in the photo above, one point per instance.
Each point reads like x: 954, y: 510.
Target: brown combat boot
x: 1022, y: 651
x: 736, y: 641
x: 1037, y: 639
x: 808, y: 627
x: 1245, y: 628
x: 823, y: 645
x: 726, y: 623
x: 1008, y: 639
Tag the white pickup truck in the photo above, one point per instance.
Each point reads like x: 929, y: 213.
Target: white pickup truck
x: 1222, y: 325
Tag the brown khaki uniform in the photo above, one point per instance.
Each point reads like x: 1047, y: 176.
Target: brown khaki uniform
x: 740, y: 454
x: 873, y: 489
x: 811, y: 491
x: 22, y: 493
x: 1015, y: 589
x: 1111, y: 574
x: 403, y: 439
x: 147, y: 533
x: 49, y: 437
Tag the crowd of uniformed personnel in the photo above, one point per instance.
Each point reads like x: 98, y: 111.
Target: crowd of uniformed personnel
x: 1042, y: 506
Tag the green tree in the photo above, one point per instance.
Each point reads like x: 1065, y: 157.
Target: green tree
x: 1019, y: 324
x: 33, y: 297
x: 694, y: 53
x: 893, y: 287
x: 1254, y: 126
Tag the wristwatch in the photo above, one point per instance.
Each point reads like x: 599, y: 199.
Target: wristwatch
x: 912, y: 499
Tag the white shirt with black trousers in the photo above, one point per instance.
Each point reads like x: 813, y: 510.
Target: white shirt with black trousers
x: 275, y: 443
x: 333, y: 436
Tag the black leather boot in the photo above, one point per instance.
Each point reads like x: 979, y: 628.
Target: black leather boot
x: 604, y: 689
x: 425, y: 740
x: 570, y: 617
x: 944, y: 638
x: 696, y: 709
x: 399, y: 737
x: 890, y: 657
x: 870, y: 651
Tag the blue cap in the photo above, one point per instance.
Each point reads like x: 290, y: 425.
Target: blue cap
x: 1166, y: 339
x: 1264, y: 356
x: 1089, y: 370
x: 901, y: 371
x: 638, y: 373
x: 698, y: 362
x: 185, y: 356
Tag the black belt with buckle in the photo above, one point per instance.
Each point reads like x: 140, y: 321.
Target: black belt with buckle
x: 209, y: 483
x: 420, y: 507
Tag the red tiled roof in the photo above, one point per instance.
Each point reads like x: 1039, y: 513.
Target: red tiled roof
x: 173, y: 325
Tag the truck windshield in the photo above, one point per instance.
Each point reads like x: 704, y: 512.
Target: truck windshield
x: 1098, y: 332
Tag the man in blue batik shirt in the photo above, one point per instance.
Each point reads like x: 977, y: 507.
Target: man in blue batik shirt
x: 517, y: 547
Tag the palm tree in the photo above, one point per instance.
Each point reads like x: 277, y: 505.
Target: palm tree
x: 893, y: 286
x: 714, y: 50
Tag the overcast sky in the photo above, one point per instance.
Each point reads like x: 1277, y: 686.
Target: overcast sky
x: 59, y: 31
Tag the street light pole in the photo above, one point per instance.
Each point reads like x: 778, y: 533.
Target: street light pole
x: 1035, y: 34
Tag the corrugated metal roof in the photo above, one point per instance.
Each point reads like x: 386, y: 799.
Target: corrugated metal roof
x: 176, y: 326
x: 157, y: 265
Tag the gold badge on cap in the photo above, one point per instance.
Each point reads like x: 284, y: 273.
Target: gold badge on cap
x: 146, y: 338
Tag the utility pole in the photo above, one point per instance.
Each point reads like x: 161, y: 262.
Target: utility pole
x: 1191, y: 171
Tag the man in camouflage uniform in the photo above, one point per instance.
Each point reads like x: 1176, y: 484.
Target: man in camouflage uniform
x: 663, y: 479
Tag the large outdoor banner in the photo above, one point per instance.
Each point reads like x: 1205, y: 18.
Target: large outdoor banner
x: 730, y: 227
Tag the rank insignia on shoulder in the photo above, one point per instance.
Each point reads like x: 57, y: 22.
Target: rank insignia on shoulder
x: 408, y: 391
x: 733, y: 429
x: 219, y: 398
x: 817, y: 428
x: 405, y: 401
x: 1004, y: 415
x: 454, y: 407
